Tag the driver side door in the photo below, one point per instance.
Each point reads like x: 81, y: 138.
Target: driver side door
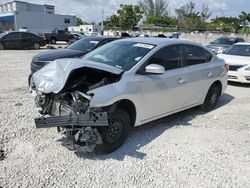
x: 163, y: 94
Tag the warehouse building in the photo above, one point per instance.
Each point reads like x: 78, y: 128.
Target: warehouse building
x: 19, y: 15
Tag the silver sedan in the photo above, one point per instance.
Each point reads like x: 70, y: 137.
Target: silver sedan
x: 97, y: 99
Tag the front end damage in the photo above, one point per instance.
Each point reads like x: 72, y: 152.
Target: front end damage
x: 68, y: 108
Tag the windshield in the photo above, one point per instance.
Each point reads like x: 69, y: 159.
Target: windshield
x: 84, y: 44
x: 123, y: 54
x: 241, y: 50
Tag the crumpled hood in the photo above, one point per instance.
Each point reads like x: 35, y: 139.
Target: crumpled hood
x: 52, y: 77
x: 234, y: 59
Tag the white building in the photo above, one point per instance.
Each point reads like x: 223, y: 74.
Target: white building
x: 86, y: 29
x: 18, y: 15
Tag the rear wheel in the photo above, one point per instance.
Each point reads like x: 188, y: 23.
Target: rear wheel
x: 116, y: 133
x: 1, y: 46
x: 212, y: 97
x: 36, y: 46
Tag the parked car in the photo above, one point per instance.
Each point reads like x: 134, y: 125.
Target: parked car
x: 124, y: 84
x: 221, y: 44
x: 238, y: 58
x: 20, y: 40
x: 77, y: 49
x: 77, y: 36
x: 93, y: 34
x: 57, y: 35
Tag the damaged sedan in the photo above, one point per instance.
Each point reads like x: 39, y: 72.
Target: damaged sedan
x: 97, y: 99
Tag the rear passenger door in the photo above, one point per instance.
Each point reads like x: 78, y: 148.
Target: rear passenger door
x: 27, y: 40
x: 199, y: 70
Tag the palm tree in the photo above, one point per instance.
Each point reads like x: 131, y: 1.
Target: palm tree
x: 244, y: 19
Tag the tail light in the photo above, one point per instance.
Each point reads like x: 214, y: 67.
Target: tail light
x: 226, y: 67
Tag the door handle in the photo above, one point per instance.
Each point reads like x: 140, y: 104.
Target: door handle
x: 181, y: 81
x: 209, y: 74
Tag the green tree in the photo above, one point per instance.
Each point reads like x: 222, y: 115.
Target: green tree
x: 127, y: 17
x: 167, y: 20
x: 190, y: 18
x: 80, y: 22
x: 225, y: 24
x: 244, y: 19
x: 156, y: 8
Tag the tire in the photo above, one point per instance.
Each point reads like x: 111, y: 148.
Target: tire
x: 53, y: 41
x: 116, y: 133
x: 212, y: 97
x: 36, y: 46
x: 1, y: 46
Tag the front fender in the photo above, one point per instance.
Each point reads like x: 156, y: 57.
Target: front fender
x: 109, y: 94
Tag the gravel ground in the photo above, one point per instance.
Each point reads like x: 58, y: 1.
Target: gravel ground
x: 188, y: 149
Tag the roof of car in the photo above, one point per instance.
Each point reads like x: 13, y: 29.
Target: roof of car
x: 99, y: 37
x: 159, y: 41
x: 230, y: 37
x: 243, y: 43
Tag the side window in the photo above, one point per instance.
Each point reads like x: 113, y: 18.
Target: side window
x: 194, y: 55
x: 13, y: 36
x: 60, y: 32
x: 168, y: 57
x: 27, y: 35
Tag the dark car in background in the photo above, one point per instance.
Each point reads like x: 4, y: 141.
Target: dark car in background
x: 57, y: 35
x: 221, y: 44
x: 77, y: 49
x: 20, y: 40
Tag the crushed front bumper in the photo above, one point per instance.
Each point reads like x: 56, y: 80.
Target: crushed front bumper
x: 80, y: 120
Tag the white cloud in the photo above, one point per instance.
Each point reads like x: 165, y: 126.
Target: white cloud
x: 216, y: 4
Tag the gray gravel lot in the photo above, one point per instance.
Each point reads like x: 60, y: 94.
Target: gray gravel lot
x: 188, y: 149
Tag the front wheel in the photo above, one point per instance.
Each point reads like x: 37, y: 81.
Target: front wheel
x: 212, y: 97
x: 116, y: 133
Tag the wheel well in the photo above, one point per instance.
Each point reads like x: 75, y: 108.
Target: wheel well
x: 218, y: 83
x: 129, y: 107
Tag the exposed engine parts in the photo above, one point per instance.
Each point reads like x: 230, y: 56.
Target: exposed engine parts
x: 69, y: 109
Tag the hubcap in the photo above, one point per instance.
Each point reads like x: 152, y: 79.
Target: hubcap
x: 114, y: 131
x: 36, y: 46
x: 214, y: 97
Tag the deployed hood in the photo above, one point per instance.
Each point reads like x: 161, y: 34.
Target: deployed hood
x: 58, y: 54
x: 52, y: 77
x: 234, y: 59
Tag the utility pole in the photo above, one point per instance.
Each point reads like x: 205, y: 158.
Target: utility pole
x: 102, y: 21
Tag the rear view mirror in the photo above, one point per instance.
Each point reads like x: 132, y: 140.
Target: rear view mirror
x: 155, y: 69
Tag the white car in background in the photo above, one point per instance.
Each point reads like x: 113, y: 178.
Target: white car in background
x: 238, y: 58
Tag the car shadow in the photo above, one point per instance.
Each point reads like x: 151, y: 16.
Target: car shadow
x: 143, y: 135
x: 237, y: 84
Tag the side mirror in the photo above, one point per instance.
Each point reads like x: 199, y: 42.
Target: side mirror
x: 155, y: 69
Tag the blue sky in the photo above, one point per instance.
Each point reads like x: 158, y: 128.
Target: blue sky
x: 90, y: 10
